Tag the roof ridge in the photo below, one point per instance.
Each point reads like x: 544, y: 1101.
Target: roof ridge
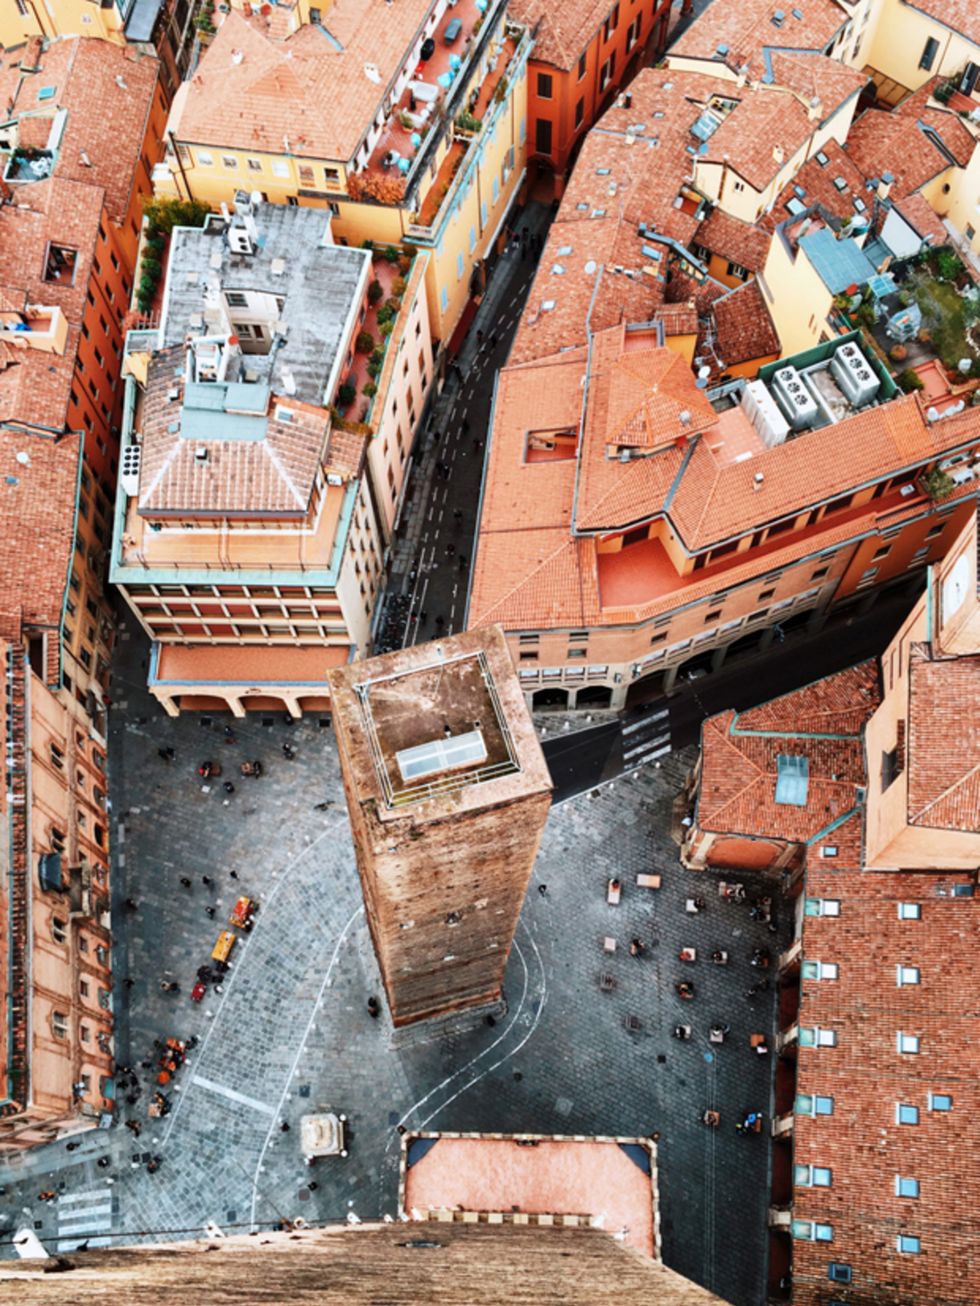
x: 947, y: 793
x: 566, y: 544
x: 277, y: 462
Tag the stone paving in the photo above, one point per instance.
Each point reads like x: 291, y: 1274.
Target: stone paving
x: 291, y: 1032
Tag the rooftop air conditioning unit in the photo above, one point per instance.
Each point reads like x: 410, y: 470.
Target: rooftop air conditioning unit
x: 858, y: 383
x: 764, y: 414
x: 333, y: 478
x: 794, y: 398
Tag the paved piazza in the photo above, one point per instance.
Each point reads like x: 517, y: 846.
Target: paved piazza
x: 290, y: 1032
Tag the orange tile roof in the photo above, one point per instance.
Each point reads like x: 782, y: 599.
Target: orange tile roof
x: 816, y: 180
x: 743, y: 327
x: 624, y: 176
x: 822, y: 722
x: 107, y: 91
x: 746, y: 29
x: 944, y: 742
x: 920, y: 215
x: 246, y: 88
x: 37, y: 505
x: 894, y: 141
x: 274, y: 473
x: 739, y: 242
x: 760, y: 135
x: 563, y: 30
x: 641, y: 399
x: 861, y: 1143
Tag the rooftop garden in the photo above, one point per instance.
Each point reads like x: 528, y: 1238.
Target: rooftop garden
x: 390, y: 269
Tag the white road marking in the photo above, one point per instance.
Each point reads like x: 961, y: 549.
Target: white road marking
x: 647, y: 721
x: 328, y: 975
x: 233, y: 1094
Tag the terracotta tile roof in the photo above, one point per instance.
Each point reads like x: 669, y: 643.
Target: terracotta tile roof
x: 904, y: 142
x: 861, y: 1143
x: 739, y: 242
x: 823, y: 722
x: 35, y: 385
x: 273, y: 473
x: 743, y: 327
x: 747, y: 30
x: 107, y: 91
x: 37, y: 504
x: 961, y: 15
x: 763, y: 123
x: 678, y: 319
x: 944, y: 742
x: 816, y: 181
x: 922, y: 218
x: 624, y: 176
x: 562, y: 31
x: 245, y: 91
x: 637, y: 398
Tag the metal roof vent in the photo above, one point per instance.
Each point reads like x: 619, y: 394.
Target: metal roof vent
x: 201, y: 454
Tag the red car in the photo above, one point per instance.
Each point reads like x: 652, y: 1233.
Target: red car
x: 198, y: 991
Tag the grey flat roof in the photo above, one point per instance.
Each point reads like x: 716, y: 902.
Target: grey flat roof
x: 318, y: 282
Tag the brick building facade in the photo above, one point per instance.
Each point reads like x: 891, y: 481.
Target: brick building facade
x: 448, y: 793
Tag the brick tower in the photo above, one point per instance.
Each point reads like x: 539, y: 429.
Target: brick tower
x: 448, y: 792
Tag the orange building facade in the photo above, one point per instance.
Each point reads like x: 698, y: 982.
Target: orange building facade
x: 56, y: 971
x: 76, y: 154
x: 856, y: 796
x: 583, y: 54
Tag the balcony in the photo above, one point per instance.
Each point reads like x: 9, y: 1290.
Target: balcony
x: 406, y: 144
x: 36, y: 327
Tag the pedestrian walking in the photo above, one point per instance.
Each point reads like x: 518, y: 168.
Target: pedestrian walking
x: 233, y: 874
x: 493, y: 340
x: 131, y: 904
x: 288, y: 752
x: 153, y: 1164
x: 166, y: 754
x: 320, y: 807
x: 374, y: 1008
x: 284, y: 1127
x: 209, y: 912
x: 48, y: 1195
x: 73, y: 1147
x: 185, y: 881
x: 542, y: 889
x: 103, y: 1163
x: 313, y: 1185
x: 207, y: 881
x: 129, y: 981
x: 228, y: 787
x: 479, y: 340
x: 461, y: 562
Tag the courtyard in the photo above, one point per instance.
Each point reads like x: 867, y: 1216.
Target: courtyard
x: 585, y: 1045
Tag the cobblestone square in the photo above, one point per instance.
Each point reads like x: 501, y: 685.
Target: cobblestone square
x: 585, y: 1045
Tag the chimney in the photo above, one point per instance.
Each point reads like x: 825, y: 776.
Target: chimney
x: 757, y: 481
x: 815, y: 109
x: 778, y: 154
x: 885, y: 184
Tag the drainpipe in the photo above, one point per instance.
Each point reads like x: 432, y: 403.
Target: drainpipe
x: 180, y: 166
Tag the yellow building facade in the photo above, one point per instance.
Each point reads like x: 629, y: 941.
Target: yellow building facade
x: 441, y: 176
x: 903, y: 43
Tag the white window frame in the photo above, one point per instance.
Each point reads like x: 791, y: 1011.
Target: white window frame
x: 825, y: 970
x: 906, y: 1106
x: 907, y: 977
x: 909, y: 911
x: 908, y: 1044
x: 945, y: 1097
x: 813, y: 1176
x: 904, y: 1238
x: 824, y: 906
x: 900, y: 1181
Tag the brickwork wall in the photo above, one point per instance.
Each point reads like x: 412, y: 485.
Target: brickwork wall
x: 419, y: 877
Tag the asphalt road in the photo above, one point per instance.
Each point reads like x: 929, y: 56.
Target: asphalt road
x: 586, y: 758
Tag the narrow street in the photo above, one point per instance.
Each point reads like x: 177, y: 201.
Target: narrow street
x: 431, y: 557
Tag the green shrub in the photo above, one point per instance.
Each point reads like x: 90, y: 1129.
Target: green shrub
x: 948, y: 265
x: 151, y: 265
x: 364, y: 344
x: 909, y: 380
x: 398, y: 287
x: 374, y: 367
x: 392, y: 254
x: 937, y: 484
x: 375, y: 292
x: 394, y: 303
x: 378, y: 356
x: 386, y: 328
x: 369, y: 389
x: 385, y: 314
x: 164, y: 214
x: 346, y: 394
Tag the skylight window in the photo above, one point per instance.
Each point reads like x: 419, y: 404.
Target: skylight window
x: 792, y: 779
x: 441, y: 755
x: 840, y: 183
